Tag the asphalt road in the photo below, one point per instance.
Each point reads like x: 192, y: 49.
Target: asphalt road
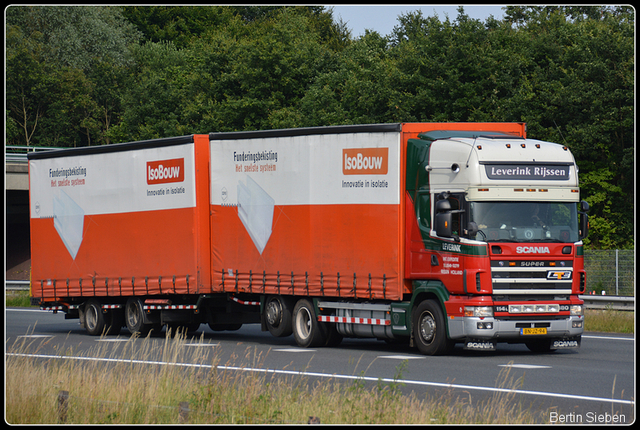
x: 594, y: 383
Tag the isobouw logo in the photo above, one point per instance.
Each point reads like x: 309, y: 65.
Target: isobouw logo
x: 365, y: 161
x: 165, y: 171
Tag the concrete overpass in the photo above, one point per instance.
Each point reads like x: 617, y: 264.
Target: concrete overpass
x: 16, y: 180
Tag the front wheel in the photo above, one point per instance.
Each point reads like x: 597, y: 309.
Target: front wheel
x: 429, y: 330
x: 307, y: 330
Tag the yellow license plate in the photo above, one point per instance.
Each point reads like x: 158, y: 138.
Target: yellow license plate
x: 528, y: 331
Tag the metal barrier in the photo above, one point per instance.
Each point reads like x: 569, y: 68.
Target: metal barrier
x: 18, y: 154
x: 620, y: 303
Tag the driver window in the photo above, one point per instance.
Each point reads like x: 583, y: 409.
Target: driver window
x: 456, y: 219
x: 423, y: 211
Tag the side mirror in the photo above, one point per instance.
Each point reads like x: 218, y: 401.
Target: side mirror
x: 443, y: 206
x: 443, y: 224
x: 584, y: 219
x: 443, y: 218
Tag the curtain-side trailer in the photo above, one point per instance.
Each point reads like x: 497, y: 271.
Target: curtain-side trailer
x: 390, y: 231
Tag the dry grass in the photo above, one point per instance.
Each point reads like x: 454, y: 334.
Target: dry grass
x: 609, y: 321
x: 129, y: 389
x: 135, y: 391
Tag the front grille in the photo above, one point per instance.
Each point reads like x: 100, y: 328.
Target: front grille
x: 531, y: 277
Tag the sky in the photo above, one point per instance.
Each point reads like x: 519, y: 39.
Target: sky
x: 383, y: 18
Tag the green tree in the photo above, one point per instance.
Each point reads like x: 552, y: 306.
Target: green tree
x: 52, y: 54
x: 354, y: 88
x: 181, y: 25
x: 578, y: 91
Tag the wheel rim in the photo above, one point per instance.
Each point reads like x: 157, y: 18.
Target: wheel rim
x: 303, y: 322
x: 132, y: 315
x: 427, y: 327
x: 274, y: 313
x: 91, y: 317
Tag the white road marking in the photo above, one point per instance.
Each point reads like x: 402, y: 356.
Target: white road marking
x: 294, y: 350
x: 200, y: 344
x: 112, y: 340
x: 525, y: 366
x: 36, y: 335
x: 403, y: 357
x: 607, y: 337
x: 335, y: 376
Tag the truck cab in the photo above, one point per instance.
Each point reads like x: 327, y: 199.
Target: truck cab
x: 499, y: 222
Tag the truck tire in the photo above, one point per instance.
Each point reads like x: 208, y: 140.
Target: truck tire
x: 307, y: 330
x: 134, y: 317
x: 429, y: 330
x: 94, y: 321
x: 277, y: 316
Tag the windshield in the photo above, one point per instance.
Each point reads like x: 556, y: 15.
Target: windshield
x: 525, y: 221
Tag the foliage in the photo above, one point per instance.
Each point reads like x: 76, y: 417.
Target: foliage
x: 95, y: 75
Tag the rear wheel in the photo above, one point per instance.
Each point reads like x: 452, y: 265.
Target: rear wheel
x: 429, y: 330
x: 94, y: 321
x: 307, y: 330
x: 134, y: 317
x: 277, y: 315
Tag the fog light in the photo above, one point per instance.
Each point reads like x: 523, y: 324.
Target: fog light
x: 484, y: 325
x: 576, y: 324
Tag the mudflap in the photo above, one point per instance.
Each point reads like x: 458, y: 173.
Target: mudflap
x: 566, y: 343
x: 480, y: 344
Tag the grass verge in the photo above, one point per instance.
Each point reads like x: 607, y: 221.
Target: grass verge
x: 609, y: 321
x: 131, y: 392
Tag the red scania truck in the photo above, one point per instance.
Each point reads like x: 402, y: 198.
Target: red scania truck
x: 435, y: 233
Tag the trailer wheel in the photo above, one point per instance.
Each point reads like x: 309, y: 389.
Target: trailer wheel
x: 134, y: 317
x: 429, y: 331
x: 277, y: 315
x: 307, y: 330
x: 94, y: 321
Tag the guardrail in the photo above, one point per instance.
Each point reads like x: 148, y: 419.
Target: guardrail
x: 18, y: 154
x: 619, y: 303
x: 16, y: 285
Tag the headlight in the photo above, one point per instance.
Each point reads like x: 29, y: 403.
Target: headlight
x: 478, y: 311
x: 576, y: 310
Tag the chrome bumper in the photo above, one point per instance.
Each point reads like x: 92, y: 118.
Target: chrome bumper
x: 461, y: 328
